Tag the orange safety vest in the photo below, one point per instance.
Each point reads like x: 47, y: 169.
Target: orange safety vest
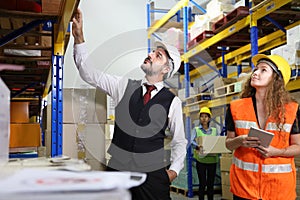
x: 251, y: 175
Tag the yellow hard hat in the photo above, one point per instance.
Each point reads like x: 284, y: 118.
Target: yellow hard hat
x: 205, y: 110
x: 280, y: 63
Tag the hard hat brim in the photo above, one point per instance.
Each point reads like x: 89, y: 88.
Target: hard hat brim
x: 258, y: 57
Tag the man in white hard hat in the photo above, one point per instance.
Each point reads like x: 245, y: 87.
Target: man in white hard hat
x: 144, y: 110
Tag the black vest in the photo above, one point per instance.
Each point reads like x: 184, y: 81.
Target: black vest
x: 138, y: 141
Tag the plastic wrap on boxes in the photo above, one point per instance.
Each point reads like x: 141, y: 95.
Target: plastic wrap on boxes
x: 174, y: 37
x: 81, y: 126
x: 93, y: 111
x: 292, y: 35
x: 217, y: 7
x: 201, y: 24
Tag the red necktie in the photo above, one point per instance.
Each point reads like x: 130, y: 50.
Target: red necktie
x: 147, y: 96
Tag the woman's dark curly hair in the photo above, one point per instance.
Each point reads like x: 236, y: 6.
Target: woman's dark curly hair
x: 276, y: 97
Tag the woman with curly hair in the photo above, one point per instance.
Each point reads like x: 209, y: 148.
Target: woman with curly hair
x: 259, y: 172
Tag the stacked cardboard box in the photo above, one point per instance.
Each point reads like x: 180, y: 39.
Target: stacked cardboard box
x: 52, y: 7
x: 216, y: 8
x: 22, y: 133
x: 225, y: 163
x: 84, y: 119
x: 291, y: 50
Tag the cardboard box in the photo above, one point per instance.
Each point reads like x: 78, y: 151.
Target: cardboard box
x: 278, y: 50
x: 225, y: 178
x: 290, y: 54
x: 25, y: 135
x: 226, y: 194
x: 51, y: 7
x: 94, y: 135
x: 292, y: 35
x: 19, y: 112
x: 84, y: 105
x: 225, y: 163
x: 213, y: 144
x: 46, y: 41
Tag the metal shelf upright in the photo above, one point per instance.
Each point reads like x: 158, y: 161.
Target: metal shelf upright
x: 60, y: 39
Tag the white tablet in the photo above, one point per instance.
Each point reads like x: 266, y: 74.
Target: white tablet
x: 265, y: 137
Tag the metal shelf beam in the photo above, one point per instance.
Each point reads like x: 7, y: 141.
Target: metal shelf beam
x: 62, y: 27
x: 167, y: 16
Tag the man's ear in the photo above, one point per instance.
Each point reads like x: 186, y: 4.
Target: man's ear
x: 166, y: 69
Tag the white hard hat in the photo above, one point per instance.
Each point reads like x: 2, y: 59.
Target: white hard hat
x: 173, y: 54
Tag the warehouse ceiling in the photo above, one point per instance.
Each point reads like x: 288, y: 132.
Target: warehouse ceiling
x: 27, y: 37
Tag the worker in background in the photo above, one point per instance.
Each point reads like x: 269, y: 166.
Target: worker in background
x: 259, y: 172
x: 206, y: 163
x: 144, y: 110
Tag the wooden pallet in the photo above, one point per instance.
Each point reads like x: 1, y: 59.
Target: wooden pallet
x: 200, y: 38
x: 177, y: 190
x: 183, y: 191
x: 230, y: 19
x: 229, y: 89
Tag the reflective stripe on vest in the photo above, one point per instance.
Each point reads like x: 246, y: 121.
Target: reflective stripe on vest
x: 280, y: 168
x: 245, y: 124
x: 270, y: 126
x: 245, y: 165
x: 275, y: 168
x: 273, y: 127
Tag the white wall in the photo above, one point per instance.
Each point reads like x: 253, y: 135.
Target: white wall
x: 116, y: 36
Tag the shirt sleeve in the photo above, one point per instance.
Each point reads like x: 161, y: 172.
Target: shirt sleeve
x: 179, y: 142
x: 296, y: 125
x: 114, y: 86
x: 193, y: 137
x: 229, y: 120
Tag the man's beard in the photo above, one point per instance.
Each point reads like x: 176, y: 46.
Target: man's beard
x: 148, y: 69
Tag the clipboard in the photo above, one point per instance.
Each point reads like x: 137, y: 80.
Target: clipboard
x: 265, y: 137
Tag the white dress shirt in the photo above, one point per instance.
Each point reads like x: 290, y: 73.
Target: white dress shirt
x: 115, y: 87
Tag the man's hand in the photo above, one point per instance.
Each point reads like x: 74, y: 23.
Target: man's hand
x: 172, y: 175
x: 77, y: 28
